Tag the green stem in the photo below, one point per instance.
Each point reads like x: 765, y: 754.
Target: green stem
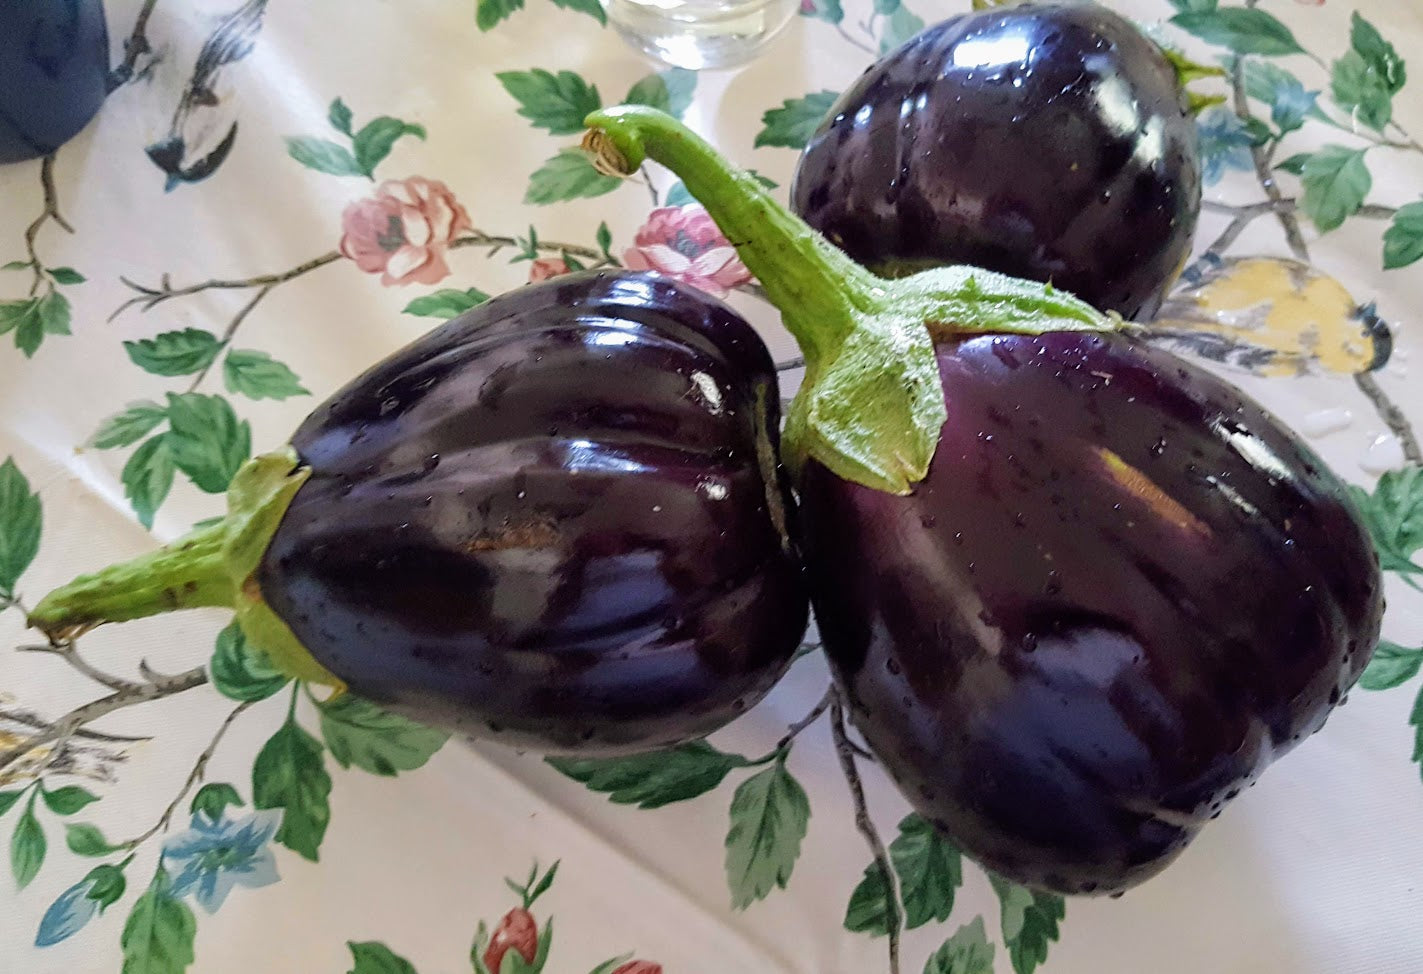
x: 817, y: 287
x: 871, y: 406
x: 213, y: 566
x: 187, y: 575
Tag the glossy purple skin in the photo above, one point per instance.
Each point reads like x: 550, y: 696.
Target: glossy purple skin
x: 556, y: 520
x: 1068, y: 666
x: 1047, y: 141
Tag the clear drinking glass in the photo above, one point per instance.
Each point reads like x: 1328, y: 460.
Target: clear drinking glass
x: 700, y: 33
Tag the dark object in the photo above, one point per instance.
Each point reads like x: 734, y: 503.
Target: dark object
x: 54, y: 69
x: 1046, y: 141
x: 559, y: 519
x: 1122, y: 590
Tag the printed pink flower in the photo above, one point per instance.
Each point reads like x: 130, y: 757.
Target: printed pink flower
x: 683, y: 243
x: 403, y: 231
x: 639, y: 967
x: 545, y: 267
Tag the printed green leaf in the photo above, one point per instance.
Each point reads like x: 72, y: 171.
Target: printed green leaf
x: 1391, y: 666
x: 1367, y: 77
x: 1295, y: 163
x: 769, y: 816
x: 158, y: 935
x: 17, y: 265
x: 1336, y: 181
x: 212, y: 798
x: 792, y: 125
x: 446, y: 303
x: 373, y: 739
x: 1415, y: 718
x: 568, y: 175
x: 489, y: 13
x: 148, y: 476
x: 670, y: 91
x: 68, y: 800
x: 21, y: 518
x: 654, y: 779
x: 209, y: 444
x: 14, y: 313
x: 1290, y: 103
x: 1403, y: 240
x: 257, y: 375
x: 8, y: 799
x: 107, y: 885
x: 1360, y: 91
x: 340, y: 117
x: 556, y: 102
x: 899, y: 27
x: 175, y: 352
x: 1030, y: 923
x: 966, y: 952
x: 372, y: 957
x: 84, y: 839
x: 239, y: 670
x: 24, y: 318
x: 592, y: 8
x: 1394, y: 516
x: 830, y: 11
x: 290, y: 774
x: 66, y: 275
x: 1243, y: 30
x: 137, y: 420
x: 323, y: 155
x: 27, y: 847
x: 54, y: 312
x: 605, y: 238
x: 377, y: 137
x: 930, y: 871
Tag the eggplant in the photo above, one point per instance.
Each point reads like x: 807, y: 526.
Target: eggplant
x: 1049, y: 141
x: 1076, y: 593
x: 1120, y: 592
x: 558, y: 520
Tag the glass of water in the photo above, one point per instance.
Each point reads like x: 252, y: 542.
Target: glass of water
x: 700, y: 34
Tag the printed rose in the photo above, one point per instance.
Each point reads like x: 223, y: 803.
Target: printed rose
x: 639, y: 967
x: 403, y: 231
x: 683, y: 243
x: 547, y: 267
x: 517, y: 932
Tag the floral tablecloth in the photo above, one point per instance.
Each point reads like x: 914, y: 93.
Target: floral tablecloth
x: 279, y: 193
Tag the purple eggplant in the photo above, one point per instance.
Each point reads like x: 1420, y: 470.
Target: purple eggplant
x: 558, y: 519
x: 1076, y: 593
x: 1122, y: 589
x: 1050, y: 141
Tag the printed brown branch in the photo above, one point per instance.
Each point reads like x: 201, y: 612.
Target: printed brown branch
x: 135, y: 46
x: 845, y: 752
x: 50, y: 212
x: 69, y: 652
x: 69, y: 724
x: 194, y: 776
x: 151, y: 297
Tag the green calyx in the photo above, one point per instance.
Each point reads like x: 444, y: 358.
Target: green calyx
x: 871, y: 405
x: 213, y: 566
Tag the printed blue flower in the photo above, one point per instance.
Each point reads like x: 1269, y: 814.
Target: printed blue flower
x: 214, y: 856
x: 67, y: 915
x: 1225, y: 144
